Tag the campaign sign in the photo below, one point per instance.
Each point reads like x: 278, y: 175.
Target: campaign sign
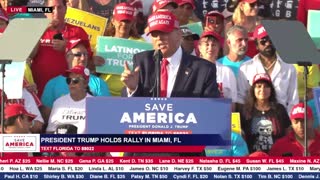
x: 316, y: 97
x: 195, y: 27
x: 116, y: 51
x: 93, y: 24
x: 313, y: 26
x: 138, y: 115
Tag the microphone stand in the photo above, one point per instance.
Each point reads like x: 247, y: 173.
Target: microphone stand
x: 2, y: 70
x: 305, y: 73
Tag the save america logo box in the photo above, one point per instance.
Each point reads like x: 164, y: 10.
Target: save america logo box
x: 20, y: 143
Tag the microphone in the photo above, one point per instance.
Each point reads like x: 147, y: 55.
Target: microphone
x: 58, y: 36
x: 157, y: 55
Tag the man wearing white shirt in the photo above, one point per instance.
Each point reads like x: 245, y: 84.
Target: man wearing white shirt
x: 283, y: 75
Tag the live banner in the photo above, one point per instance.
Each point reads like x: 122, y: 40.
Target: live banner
x: 313, y: 26
x: 93, y: 24
x: 116, y: 51
x: 165, y: 116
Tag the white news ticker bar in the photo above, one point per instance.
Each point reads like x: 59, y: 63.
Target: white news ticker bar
x: 160, y: 168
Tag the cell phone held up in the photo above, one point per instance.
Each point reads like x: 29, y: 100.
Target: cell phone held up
x: 58, y: 36
x: 213, y: 20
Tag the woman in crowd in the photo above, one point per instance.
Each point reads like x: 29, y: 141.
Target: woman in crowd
x: 71, y: 108
x: 246, y: 15
x: 122, y: 26
x: 210, y: 44
x: 263, y: 119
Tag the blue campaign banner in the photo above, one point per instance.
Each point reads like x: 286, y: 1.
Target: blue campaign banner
x: 138, y: 115
x: 316, y: 97
x: 132, y: 139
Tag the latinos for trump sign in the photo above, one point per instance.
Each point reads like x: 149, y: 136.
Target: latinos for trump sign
x: 116, y: 51
x: 159, y: 116
x: 313, y: 26
x: 93, y: 24
x: 195, y: 27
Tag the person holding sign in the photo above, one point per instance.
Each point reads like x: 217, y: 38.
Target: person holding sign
x: 50, y: 52
x: 293, y: 143
x: 122, y: 26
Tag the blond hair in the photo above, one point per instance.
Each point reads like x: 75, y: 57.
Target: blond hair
x: 238, y: 16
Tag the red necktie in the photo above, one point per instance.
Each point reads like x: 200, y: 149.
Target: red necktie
x: 164, y: 77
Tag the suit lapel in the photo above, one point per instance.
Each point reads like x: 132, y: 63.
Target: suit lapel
x: 183, y: 75
x: 151, y: 66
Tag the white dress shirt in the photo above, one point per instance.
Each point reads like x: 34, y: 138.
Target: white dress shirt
x: 283, y: 76
x: 173, y: 67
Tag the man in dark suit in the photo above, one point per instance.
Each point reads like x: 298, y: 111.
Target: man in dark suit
x: 187, y: 75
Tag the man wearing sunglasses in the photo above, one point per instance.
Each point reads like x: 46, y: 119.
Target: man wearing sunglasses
x: 77, y: 54
x: 283, y: 75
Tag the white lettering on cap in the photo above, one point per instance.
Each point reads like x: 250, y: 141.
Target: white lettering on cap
x: 157, y: 22
x: 261, y: 76
x: 161, y: 16
x: 261, y: 30
x: 298, y: 110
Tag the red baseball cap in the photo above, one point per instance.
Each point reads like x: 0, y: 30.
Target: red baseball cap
x: 162, y: 20
x: 213, y: 34
x: 80, y: 70
x: 159, y: 4
x: 261, y: 77
x: 259, y: 32
x: 297, y: 112
x: 123, y: 11
x: 3, y: 15
x: 12, y: 110
x: 215, y: 13
x: 182, y: 2
x: 249, y: 1
x: 74, y: 42
x: 137, y: 4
